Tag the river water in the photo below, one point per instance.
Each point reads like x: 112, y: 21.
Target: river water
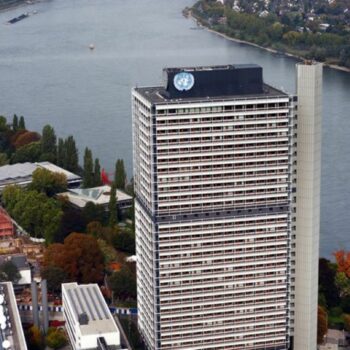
x: 49, y: 75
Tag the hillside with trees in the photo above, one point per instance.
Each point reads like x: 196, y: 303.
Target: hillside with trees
x: 318, y: 29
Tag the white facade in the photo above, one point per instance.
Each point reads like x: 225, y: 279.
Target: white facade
x: 213, y: 216
x: 88, y: 299
x: 308, y: 178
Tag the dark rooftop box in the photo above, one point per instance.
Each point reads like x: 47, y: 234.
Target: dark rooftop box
x: 242, y: 79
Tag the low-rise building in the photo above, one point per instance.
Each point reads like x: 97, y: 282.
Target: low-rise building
x: 7, y: 229
x: 79, y: 197
x: 89, y: 322
x: 11, y: 331
x: 21, y: 174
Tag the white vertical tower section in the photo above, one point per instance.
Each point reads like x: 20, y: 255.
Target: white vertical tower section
x: 309, y: 91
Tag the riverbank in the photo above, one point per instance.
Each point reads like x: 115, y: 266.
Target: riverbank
x: 199, y: 22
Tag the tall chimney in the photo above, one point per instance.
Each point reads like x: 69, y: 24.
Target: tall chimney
x: 45, y: 305
x: 34, y: 290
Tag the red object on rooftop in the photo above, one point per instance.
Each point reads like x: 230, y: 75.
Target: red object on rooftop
x: 6, y: 226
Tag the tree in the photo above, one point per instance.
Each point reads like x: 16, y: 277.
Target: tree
x: 112, y: 207
x: 93, y: 212
x: 3, y: 159
x: 109, y: 254
x: 343, y: 261
x: 88, y: 172
x: 326, y: 280
x: 343, y: 284
x: 71, y: 160
x: 26, y: 138
x: 9, y: 272
x: 120, y: 175
x: 56, y: 338
x: 21, y: 124
x: 61, y: 153
x: 322, y: 325
x: 124, y: 241
x: 35, y: 212
x: 34, y: 338
x: 79, y: 257
x: 48, y: 182
x: 28, y: 153
x: 97, y: 173
x: 123, y: 284
x: 15, y: 123
x: 55, y: 276
x: 48, y: 144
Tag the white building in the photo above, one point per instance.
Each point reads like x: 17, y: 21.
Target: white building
x: 89, y: 323
x: 215, y: 155
x: 79, y: 197
x: 11, y: 331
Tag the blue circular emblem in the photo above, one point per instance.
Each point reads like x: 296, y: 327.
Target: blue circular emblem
x: 184, y: 81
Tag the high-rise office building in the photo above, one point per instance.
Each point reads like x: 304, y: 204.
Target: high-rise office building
x: 225, y: 258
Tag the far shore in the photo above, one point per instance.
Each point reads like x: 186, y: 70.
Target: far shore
x: 269, y: 49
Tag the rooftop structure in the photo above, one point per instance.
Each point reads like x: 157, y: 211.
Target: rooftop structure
x: 21, y: 174
x: 88, y: 319
x: 6, y: 226
x: 97, y: 195
x: 11, y: 331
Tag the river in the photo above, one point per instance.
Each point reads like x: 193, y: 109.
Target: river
x: 49, y: 75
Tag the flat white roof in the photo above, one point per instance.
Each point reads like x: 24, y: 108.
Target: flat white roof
x: 87, y: 299
x: 21, y: 173
x: 97, y: 195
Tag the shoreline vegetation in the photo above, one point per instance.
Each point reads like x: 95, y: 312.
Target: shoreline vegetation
x: 203, y: 23
x: 6, y: 5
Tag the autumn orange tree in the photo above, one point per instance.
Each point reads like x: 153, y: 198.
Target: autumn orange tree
x: 79, y: 257
x: 343, y: 261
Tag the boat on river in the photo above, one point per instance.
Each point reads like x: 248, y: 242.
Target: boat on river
x: 19, y: 18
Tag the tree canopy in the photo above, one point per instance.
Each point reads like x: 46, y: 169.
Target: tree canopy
x: 48, y: 182
x: 79, y: 257
x: 34, y: 211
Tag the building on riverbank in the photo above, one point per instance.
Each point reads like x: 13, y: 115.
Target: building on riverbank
x: 226, y: 172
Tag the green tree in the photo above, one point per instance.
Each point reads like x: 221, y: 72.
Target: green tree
x: 123, y: 284
x: 56, y: 338
x: 35, y: 212
x: 15, y: 123
x: 343, y: 284
x: 34, y: 338
x: 21, y: 124
x: 88, y: 171
x: 3, y: 124
x: 55, y: 276
x: 28, y: 153
x: 9, y: 272
x: 120, y: 175
x: 48, y: 144
x: 93, y: 212
x: 61, y: 153
x: 97, y: 173
x: 48, y: 182
x: 3, y: 159
x: 71, y: 161
x: 112, y: 207
x: 108, y: 252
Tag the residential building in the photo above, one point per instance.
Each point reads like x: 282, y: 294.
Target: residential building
x: 21, y: 174
x: 11, y: 331
x: 89, y: 323
x: 217, y: 215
